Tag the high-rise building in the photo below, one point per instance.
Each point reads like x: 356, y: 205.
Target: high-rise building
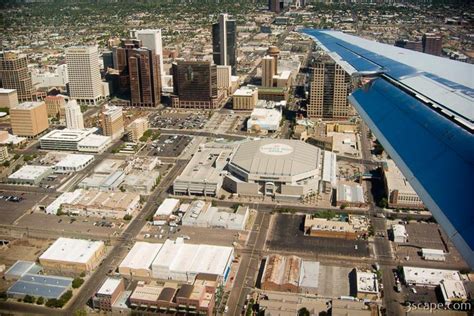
x: 195, y: 85
x: 224, y: 47
x: 112, y: 122
x: 432, y: 44
x: 74, y: 118
x: 56, y: 106
x: 145, y: 79
x: 3, y: 153
x: 137, y: 128
x: 14, y: 74
x: 268, y: 71
x: 329, y: 88
x: 8, y: 98
x: 84, y: 74
x: 224, y: 78
x: 29, y: 119
x: 275, y: 5
x: 152, y: 39
x: 274, y: 52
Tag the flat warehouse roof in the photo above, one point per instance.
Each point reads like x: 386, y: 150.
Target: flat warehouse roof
x: 74, y: 160
x: 109, y: 286
x: 72, y: 250
x: 141, y: 255
x: 167, y: 207
x: 29, y: 172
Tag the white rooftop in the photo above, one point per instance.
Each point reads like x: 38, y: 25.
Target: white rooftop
x: 3, y: 90
x: 167, y: 207
x: 68, y: 134
x: 426, y: 276
x: 141, y: 255
x: 309, y: 274
x: 109, y: 286
x: 350, y: 193
x: 65, y: 198
x: 396, y: 180
x: 72, y: 250
x: 399, y: 230
x: 245, y: 91
x: 367, y: 282
x: 94, y: 140
x: 29, y: 172
x: 28, y: 105
x: 74, y: 160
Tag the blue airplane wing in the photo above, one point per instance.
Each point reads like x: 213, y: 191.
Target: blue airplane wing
x: 421, y: 108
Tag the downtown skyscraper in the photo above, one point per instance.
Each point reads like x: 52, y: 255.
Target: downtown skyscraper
x: 224, y: 46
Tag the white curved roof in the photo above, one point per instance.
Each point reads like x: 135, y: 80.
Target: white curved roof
x: 271, y: 157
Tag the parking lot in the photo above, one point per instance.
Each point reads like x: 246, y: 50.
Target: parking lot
x: 74, y: 226
x: 177, y: 120
x: 192, y: 235
x: 427, y: 235
x: 286, y: 234
x: 11, y: 210
x: 224, y: 122
x: 168, y: 145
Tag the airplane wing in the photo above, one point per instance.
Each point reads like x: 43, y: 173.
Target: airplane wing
x: 421, y: 109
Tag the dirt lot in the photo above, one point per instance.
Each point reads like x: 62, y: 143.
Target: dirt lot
x: 286, y: 234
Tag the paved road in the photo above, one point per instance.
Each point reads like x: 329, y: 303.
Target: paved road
x: 249, y: 264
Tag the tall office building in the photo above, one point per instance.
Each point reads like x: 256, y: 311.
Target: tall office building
x: 74, y: 118
x: 432, y: 44
x: 84, y: 74
x: 112, y: 122
x: 268, y: 71
x: 224, y: 78
x: 56, y: 106
x: 274, y: 52
x: 29, y: 119
x: 137, y: 128
x: 274, y: 5
x: 224, y: 47
x: 145, y: 79
x: 14, y: 74
x: 152, y: 39
x: 195, y: 85
x: 329, y: 88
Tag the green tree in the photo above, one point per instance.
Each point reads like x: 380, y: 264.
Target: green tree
x: 383, y: 203
x: 40, y: 300
x: 29, y: 299
x: 303, y: 311
x: 127, y: 217
x: 6, y: 164
x: 77, y: 282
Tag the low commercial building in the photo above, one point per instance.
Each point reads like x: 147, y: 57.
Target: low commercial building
x: 75, y: 140
x: 29, y: 174
x: 108, y: 293
x: 367, y: 285
x: 73, y: 255
x: 433, y: 254
x: 263, y: 119
x: 290, y: 274
x: 400, y: 193
x: 197, y: 298
x: 140, y: 181
x: 21, y: 268
x: 428, y: 277
x: 138, y: 261
x: 204, y: 173
x: 453, y: 291
x: 354, y: 228
x: 73, y: 163
x: 202, y: 214
x: 245, y: 98
x: 104, y: 204
x: 350, y: 195
x: 182, y: 262
x: 46, y: 286
x: 399, y: 233
x: 103, y: 181
x: 165, y: 210
x: 65, y: 198
x: 273, y: 93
